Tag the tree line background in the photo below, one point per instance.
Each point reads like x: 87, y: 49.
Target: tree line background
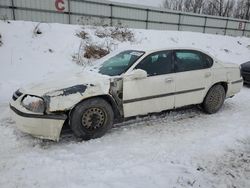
x: 226, y: 8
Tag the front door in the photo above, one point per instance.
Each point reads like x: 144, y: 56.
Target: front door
x: 154, y: 93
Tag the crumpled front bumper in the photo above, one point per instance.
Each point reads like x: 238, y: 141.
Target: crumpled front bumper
x: 45, y: 126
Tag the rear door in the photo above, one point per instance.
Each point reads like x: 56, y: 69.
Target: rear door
x: 192, y: 76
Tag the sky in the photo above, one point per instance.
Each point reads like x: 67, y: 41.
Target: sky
x: 154, y: 3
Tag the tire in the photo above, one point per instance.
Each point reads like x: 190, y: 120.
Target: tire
x: 214, y: 99
x: 91, y: 118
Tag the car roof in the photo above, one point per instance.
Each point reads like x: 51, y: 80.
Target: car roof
x: 152, y: 50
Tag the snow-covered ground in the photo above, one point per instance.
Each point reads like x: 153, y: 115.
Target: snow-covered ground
x: 183, y: 148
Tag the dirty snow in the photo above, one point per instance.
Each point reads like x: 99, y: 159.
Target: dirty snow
x: 183, y: 148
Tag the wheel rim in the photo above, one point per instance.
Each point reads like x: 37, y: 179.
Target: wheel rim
x: 215, y: 99
x: 93, y: 118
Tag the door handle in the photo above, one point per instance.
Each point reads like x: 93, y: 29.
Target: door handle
x: 169, y: 80
x: 207, y: 74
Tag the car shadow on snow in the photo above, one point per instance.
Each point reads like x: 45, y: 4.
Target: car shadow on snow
x: 179, y: 114
x: 167, y: 117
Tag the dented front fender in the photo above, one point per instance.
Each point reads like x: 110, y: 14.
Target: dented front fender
x: 66, y: 98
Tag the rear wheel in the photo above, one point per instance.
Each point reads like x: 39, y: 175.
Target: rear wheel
x: 91, y: 118
x: 214, y: 99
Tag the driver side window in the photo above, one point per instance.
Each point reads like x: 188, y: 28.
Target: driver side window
x: 157, y: 63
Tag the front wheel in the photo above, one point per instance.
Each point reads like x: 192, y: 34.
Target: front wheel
x: 214, y: 99
x: 91, y: 118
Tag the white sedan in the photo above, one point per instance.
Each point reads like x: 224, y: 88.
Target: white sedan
x: 130, y: 83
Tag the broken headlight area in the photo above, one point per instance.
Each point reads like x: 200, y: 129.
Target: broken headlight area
x: 34, y: 104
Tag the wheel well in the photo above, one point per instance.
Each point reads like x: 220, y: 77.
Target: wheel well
x: 110, y: 100
x: 224, y: 84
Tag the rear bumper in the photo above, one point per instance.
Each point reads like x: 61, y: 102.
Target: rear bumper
x: 38, y: 125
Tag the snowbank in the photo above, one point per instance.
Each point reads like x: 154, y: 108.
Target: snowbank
x: 28, y: 57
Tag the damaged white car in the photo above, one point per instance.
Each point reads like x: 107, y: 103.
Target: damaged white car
x: 130, y: 83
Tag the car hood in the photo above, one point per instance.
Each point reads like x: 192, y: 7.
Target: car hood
x: 71, y: 80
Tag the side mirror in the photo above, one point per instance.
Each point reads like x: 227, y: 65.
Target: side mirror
x: 137, y: 74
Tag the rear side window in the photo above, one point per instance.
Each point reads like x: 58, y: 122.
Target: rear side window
x: 209, y: 61
x: 188, y: 60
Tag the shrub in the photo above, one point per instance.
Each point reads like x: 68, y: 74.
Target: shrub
x: 121, y: 34
x: 95, y: 52
x: 92, y: 48
x: 5, y: 18
x: 36, y: 30
x: 103, y: 33
x: 82, y: 35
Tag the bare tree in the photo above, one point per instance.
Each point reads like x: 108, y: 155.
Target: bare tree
x: 242, y: 9
x: 194, y: 6
x: 226, y: 8
x: 198, y: 6
x: 239, y: 9
x: 221, y: 7
x: 174, y: 4
x: 247, y: 15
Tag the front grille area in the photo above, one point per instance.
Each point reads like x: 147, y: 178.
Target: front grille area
x: 16, y: 95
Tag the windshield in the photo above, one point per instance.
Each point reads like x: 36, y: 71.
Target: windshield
x: 119, y: 63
